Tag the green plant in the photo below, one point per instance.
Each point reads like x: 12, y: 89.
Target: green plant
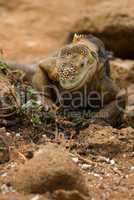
x: 35, y: 111
x: 32, y: 93
x: 3, y: 65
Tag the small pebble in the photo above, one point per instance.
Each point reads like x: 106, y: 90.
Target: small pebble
x: 29, y: 154
x: 132, y: 168
x: 85, y: 166
x: 36, y: 197
x: 132, y: 154
x: 112, y: 162
x: 107, y: 160
x: 5, y: 189
x: 4, y: 175
x: 18, y: 135
x: 108, y: 174
x: 12, y: 164
x: 94, y: 174
x: 97, y: 175
x: 74, y: 159
x: 8, y: 134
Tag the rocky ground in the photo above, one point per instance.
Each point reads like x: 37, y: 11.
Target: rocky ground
x: 95, y: 162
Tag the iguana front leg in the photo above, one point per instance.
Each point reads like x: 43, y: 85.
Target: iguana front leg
x: 47, y: 71
x: 112, y: 113
x: 41, y: 82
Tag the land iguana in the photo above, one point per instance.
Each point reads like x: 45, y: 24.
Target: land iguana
x: 78, y: 71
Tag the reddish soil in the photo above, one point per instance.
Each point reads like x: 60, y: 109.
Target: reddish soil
x: 30, y: 30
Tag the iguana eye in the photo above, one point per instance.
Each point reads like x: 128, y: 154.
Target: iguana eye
x: 93, y: 54
x: 80, y: 49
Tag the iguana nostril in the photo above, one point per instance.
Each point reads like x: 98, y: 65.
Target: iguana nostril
x: 82, y: 64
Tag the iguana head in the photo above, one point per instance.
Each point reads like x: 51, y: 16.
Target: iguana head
x: 77, y: 63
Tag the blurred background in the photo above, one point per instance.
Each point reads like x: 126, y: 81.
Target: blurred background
x: 32, y: 29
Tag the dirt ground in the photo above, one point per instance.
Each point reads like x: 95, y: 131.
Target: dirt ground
x: 29, y: 31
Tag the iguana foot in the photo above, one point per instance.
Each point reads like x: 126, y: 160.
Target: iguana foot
x: 113, y: 112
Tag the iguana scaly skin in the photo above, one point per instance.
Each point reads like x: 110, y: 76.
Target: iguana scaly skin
x: 81, y: 65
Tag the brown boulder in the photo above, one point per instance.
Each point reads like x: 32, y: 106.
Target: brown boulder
x: 122, y: 71
x: 51, y: 169
x: 105, y: 140
x: 111, y: 21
